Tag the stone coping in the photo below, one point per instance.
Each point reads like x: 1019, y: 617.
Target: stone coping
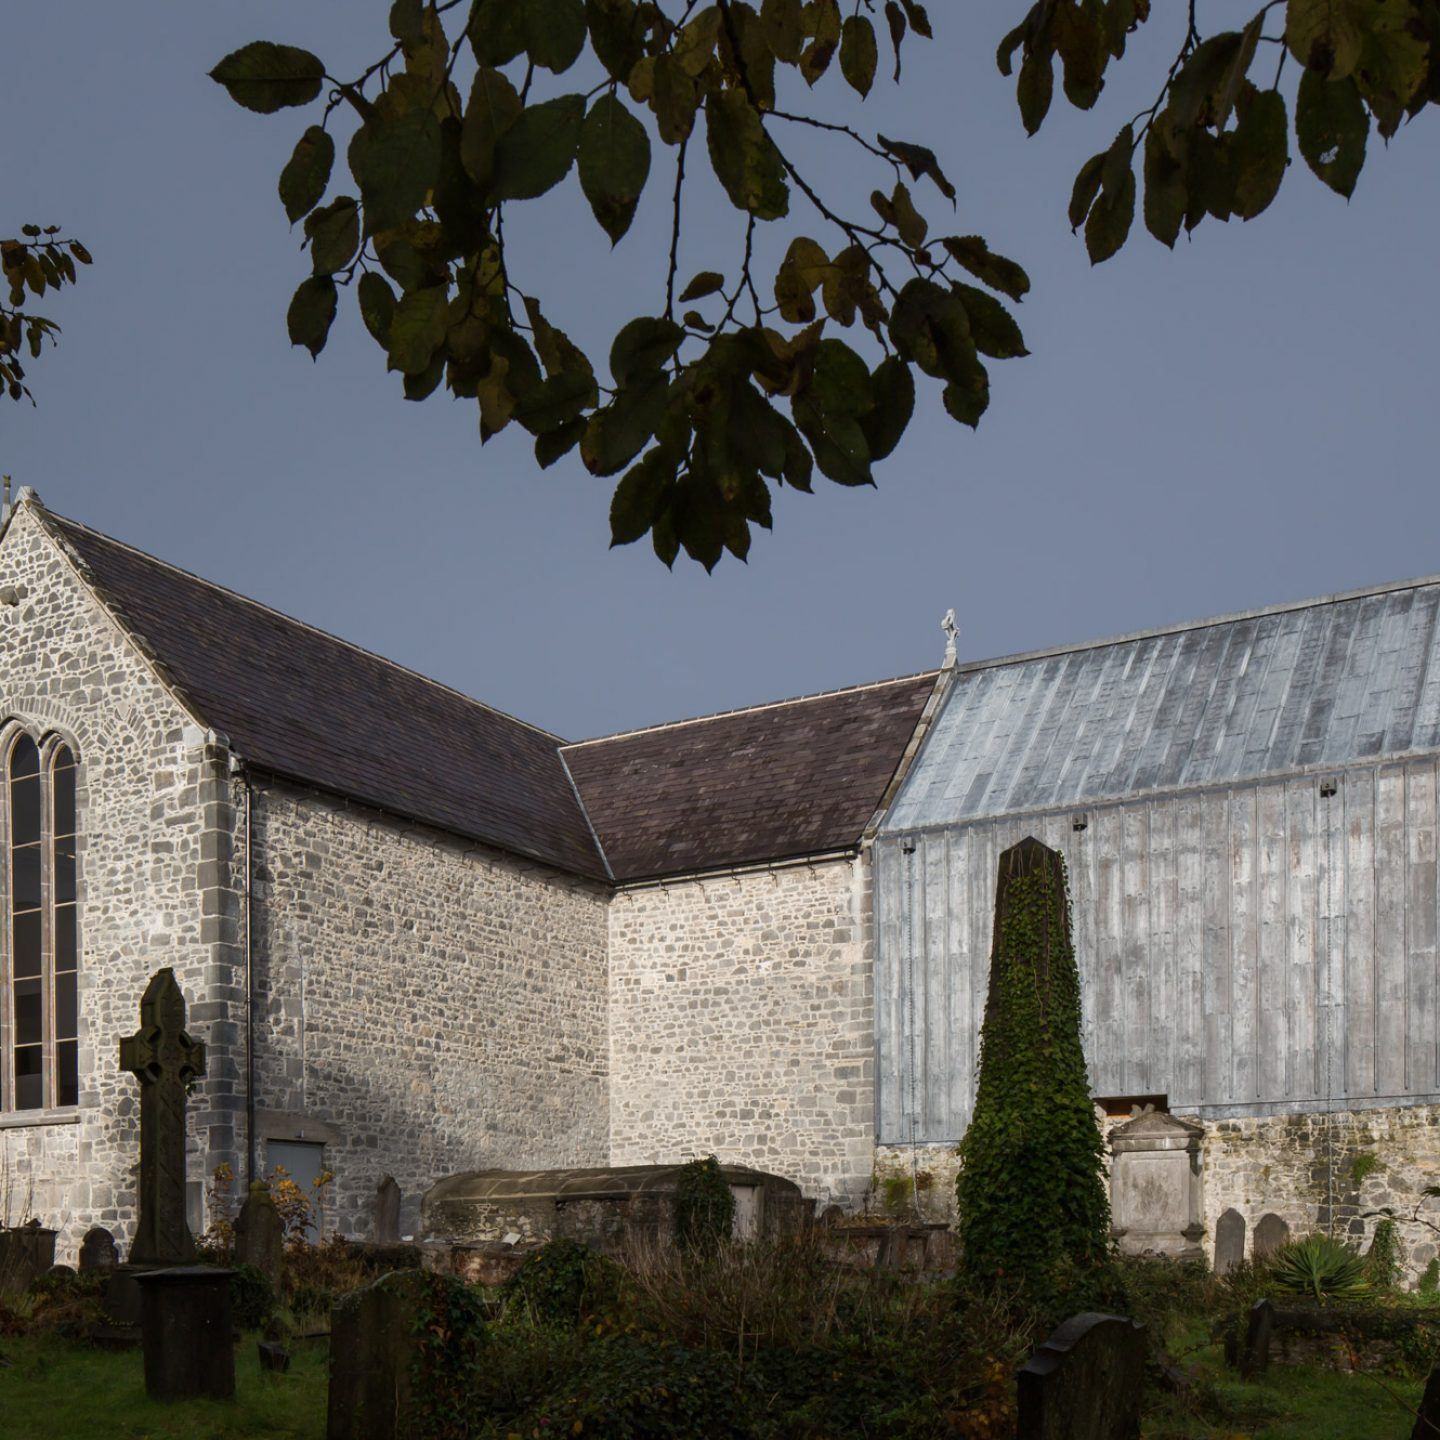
x: 23, y: 1119
x: 596, y: 1183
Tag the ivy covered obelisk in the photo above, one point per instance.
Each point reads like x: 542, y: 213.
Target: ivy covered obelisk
x: 1033, y: 1208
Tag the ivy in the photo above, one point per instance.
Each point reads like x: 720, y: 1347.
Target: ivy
x: 450, y: 1335
x: 1033, y: 1211
x: 704, y: 1206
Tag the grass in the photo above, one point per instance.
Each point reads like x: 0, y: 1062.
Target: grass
x: 52, y: 1389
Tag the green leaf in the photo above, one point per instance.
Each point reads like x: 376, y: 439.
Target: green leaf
x: 554, y: 31
x: 417, y: 329
x: 311, y: 313
x: 859, y: 54
x: 494, y: 107
x: 377, y: 305
x: 497, y: 31
x: 989, y: 268
x: 536, y: 152
x: 919, y: 162
x: 1034, y: 89
x: 555, y: 444
x: 407, y: 19
x: 840, y: 384
x: 1086, y: 188
x: 614, y: 164
x: 783, y: 26
x: 556, y: 401
x: 615, y: 35
x: 1165, y: 194
x: 266, y: 77
x: 334, y: 235
x: 395, y: 161
x: 743, y: 156
x: 893, y: 387
x: 707, y: 282
x: 618, y: 432
x: 1259, y: 150
x: 307, y: 173
x: 1331, y: 127
x: 967, y: 403
x: 1114, y: 211
x: 1327, y: 35
x: 992, y: 326
x: 837, y: 440
x: 642, y: 347
x: 639, y: 498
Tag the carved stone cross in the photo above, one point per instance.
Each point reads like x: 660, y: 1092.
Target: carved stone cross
x: 165, y: 1060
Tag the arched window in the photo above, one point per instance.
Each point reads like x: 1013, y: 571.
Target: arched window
x: 42, y: 1067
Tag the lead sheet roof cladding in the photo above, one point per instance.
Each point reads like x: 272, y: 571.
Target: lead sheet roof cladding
x: 1325, y: 683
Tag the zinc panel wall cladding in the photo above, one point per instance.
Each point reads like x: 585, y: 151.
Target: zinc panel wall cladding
x: 1247, y: 944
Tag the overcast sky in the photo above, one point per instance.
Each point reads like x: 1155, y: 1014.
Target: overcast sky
x: 1248, y: 420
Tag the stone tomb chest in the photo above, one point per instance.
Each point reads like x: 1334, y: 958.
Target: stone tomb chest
x: 607, y: 1209
x: 1155, y: 1186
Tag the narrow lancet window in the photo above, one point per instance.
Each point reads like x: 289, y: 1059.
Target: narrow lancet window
x: 27, y: 917
x: 63, y: 928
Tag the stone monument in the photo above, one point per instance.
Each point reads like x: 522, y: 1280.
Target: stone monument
x: 260, y: 1233
x: 1155, y: 1186
x: 1270, y: 1234
x: 164, y: 1059
x: 98, y: 1250
x: 1086, y: 1382
x: 187, y: 1331
x: 1229, y: 1241
x: 387, y: 1211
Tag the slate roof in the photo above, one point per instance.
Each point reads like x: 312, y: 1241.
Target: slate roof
x: 801, y: 777
x: 304, y: 705
x: 1324, y: 683
x: 775, y: 782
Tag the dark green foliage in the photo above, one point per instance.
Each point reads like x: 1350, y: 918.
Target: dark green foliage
x: 1033, y: 1211
x: 1430, y: 1278
x: 39, y: 260
x: 704, y: 1206
x: 1382, y: 1260
x: 563, y: 1283
x: 252, y: 1297
x: 1320, y: 1268
x: 451, y: 1329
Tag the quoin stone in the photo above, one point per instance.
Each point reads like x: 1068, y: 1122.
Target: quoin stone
x: 1229, y: 1241
x: 1086, y: 1382
x: 165, y: 1060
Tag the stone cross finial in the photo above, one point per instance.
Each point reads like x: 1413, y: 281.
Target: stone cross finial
x: 952, y: 630
x: 165, y: 1060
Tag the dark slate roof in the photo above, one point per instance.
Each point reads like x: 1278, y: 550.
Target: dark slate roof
x: 802, y: 777
x: 1346, y: 679
x: 306, y: 706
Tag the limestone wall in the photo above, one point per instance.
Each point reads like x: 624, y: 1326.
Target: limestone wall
x: 152, y: 890
x: 741, y: 1025
x: 421, y: 1006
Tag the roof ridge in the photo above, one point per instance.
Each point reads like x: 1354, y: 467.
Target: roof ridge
x: 295, y: 620
x: 750, y: 709
x: 1183, y: 627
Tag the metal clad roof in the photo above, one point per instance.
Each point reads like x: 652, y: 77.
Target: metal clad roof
x: 1332, y: 682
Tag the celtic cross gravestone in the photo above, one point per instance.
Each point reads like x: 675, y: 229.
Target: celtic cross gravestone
x: 165, y: 1060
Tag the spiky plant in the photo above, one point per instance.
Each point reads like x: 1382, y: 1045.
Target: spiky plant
x: 1322, y: 1268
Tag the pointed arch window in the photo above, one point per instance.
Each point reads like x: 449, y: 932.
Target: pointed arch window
x: 42, y: 1067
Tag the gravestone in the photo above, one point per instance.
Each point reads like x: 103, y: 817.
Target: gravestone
x: 186, y: 1329
x: 1155, y: 1186
x: 26, y: 1253
x: 274, y: 1357
x: 1270, y: 1234
x: 164, y: 1059
x: 1229, y: 1241
x: 98, y: 1250
x: 372, y: 1352
x: 1255, y: 1356
x: 387, y: 1211
x: 1427, y: 1419
x: 1086, y: 1382
x: 260, y: 1233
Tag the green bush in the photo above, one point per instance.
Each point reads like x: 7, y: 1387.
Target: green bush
x: 252, y: 1297
x: 1382, y: 1261
x: 562, y: 1283
x: 1033, y: 1209
x: 451, y: 1330
x: 1321, y: 1268
x: 704, y: 1206
x: 1430, y: 1278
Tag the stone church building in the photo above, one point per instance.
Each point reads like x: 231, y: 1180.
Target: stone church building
x: 420, y: 936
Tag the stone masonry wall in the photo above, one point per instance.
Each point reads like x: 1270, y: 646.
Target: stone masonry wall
x: 741, y: 1024
x: 423, y: 1007
x: 152, y: 806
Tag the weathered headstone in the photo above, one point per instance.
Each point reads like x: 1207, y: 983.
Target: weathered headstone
x: 186, y: 1329
x: 1427, y: 1419
x: 98, y: 1250
x: 1255, y: 1354
x: 165, y: 1060
x: 1270, y: 1234
x: 387, y: 1211
x: 274, y: 1357
x: 26, y: 1253
x: 372, y: 1351
x: 1086, y: 1382
x: 1229, y: 1241
x: 260, y: 1233
x: 1155, y: 1186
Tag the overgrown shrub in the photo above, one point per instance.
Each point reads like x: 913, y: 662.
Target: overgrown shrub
x: 450, y: 1326
x: 562, y: 1283
x: 316, y: 1276
x: 252, y: 1297
x: 1382, y: 1261
x: 1321, y: 1268
x: 1430, y: 1278
x: 1032, y: 1203
x: 704, y: 1206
